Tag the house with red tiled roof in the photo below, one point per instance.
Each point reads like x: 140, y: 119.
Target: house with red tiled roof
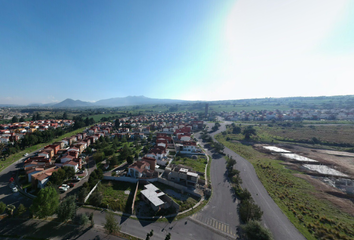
x: 41, y: 178
x: 76, y: 163
x: 143, y: 169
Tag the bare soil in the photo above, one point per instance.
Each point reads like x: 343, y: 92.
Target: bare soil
x: 324, y: 191
x: 341, y: 161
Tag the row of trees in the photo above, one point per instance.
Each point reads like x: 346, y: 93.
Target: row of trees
x: 250, y: 213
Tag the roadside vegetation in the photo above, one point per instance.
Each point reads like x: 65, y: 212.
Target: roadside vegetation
x: 314, y: 218
x: 297, y: 132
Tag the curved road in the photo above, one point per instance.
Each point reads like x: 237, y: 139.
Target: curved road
x: 273, y: 217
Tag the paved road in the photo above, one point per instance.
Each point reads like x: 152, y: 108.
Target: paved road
x: 184, y: 229
x: 273, y: 217
x: 221, y: 211
x: 6, y: 194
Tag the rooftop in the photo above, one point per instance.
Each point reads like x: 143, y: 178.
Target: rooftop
x: 152, y: 193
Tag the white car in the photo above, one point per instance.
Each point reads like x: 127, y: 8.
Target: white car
x: 64, y: 187
x: 26, y: 154
x: 14, y: 189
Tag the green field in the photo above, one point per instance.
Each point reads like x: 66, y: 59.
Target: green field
x: 314, y: 218
x: 114, y: 196
x: 198, y: 165
x: 336, y: 136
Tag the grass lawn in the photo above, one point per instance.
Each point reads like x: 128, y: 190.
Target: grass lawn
x: 197, y: 164
x: 114, y: 195
x: 14, y: 157
x: 335, y: 136
x: 314, y: 218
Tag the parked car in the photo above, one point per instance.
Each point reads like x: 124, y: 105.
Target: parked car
x: 64, y: 188
x: 65, y: 185
x: 80, y: 172
x: 76, y: 179
x: 25, y: 155
x: 71, y: 185
x: 14, y: 189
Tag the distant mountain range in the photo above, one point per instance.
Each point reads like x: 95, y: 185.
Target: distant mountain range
x: 111, y: 102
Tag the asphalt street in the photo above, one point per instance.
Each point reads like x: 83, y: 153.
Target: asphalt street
x: 221, y: 211
x: 184, y: 229
x: 6, y: 194
x: 273, y: 217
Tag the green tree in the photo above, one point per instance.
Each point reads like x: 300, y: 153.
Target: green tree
x: 65, y: 115
x: 22, y: 119
x: 82, y: 194
x: 21, y: 210
x: 67, y: 209
x: 130, y: 160
x: 236, y: 130
x: 219, y: 147
x: 114, y: 161
x: 99, y: 156
x: 168, y: 236
x: 58, y: 177
x: 83, y: 219
x: 248, y: 132
x: 145, y: 149
x: 125, y: 152
x: 2, y: 207
x: 111, y: 225
x: 46, y: 203
x: 14, y: 119
x: 69, y: 172
x: 117, y: 124
x: 254, y: 231
x: 96, y: 198
x: 249, y: 210
x: 88, y: 150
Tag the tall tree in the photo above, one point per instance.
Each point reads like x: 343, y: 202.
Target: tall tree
x: 46, y: 203
x: 254, y: 231
x: 248, y: 132
x: 82, y: 194
x: 67, y: 209
x: 249, y: 210
x: 65, y: 115
x: 111, y: 225
x: 14, y: 119
x: 69, y: 172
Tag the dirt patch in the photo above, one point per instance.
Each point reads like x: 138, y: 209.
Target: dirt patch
x: 324, y: 191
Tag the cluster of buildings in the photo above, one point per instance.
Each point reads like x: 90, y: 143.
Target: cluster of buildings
x: 66, y: 152
x: 178, y: 141
x: 12, y: 132
x: 294, y: 114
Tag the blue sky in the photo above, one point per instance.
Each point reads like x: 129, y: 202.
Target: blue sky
x: 197, y: 50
